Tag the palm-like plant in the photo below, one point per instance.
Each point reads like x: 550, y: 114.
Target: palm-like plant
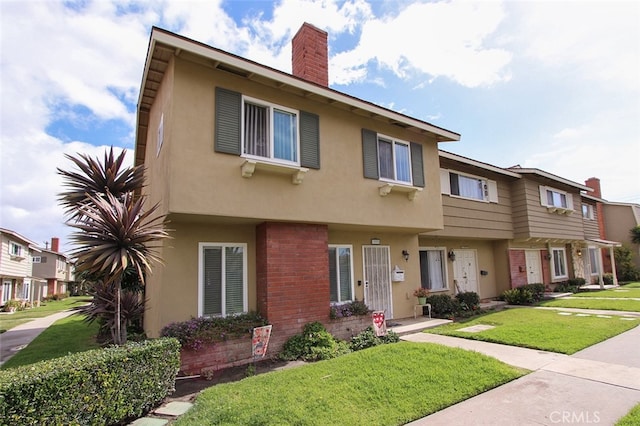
x: 113, y: 231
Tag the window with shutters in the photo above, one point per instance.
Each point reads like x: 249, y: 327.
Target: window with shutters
x: 340, y: 273
x: 394, y: 160
x: 270, y: 131
x: 222, y: 279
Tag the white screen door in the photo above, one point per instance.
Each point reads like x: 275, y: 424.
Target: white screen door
x: 377, y: 279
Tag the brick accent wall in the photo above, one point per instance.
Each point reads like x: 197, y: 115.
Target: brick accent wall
x: 292, y: 277
x: 310, y: 58
x: 517, y: 268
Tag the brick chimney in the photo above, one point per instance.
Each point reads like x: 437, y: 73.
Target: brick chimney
x: 594, y: 183
x: 55, y: 244
x: 310, y: 58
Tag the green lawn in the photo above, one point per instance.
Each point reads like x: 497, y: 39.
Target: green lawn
x: 65, y: 336
x: 618, y: 293
x: 8, y: 321
x: 541, y: 329
x: 590, y: 303
x: 385, y: 385
x: 631, y: 419
x: 631, y: 285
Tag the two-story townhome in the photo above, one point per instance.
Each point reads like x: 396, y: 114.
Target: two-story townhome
x: 469, y: 253
x: 619, y: 220
x: 55, y: 267
x: 283, y: 195
x: 16, y: 272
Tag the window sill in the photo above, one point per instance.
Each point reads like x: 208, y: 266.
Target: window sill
x: 559, y: 210
x: 17, y: 258
x: 411, y: 191
x: 297, y: 174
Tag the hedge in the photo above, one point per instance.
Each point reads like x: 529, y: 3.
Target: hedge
x: 96, y: 387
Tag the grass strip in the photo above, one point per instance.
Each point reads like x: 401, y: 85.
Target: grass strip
x: 385, y: 385
x: 631, y: 419
x: 65, y: 336
x: 540, y: 329
x: 8, y: 321
x: 620, y: 293
x: 589, y: 303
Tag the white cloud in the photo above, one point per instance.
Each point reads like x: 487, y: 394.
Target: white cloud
x: 445, y: 39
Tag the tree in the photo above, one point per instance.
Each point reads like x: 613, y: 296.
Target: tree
x: 635, y: 234
x: 113, y: 231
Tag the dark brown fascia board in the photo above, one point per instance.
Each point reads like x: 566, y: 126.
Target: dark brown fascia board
x: 479, y: 164
x: 551, y: 176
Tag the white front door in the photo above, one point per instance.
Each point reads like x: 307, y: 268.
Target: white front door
x: 465, y: 271
x: 377, y: 279
x: 534, y: 268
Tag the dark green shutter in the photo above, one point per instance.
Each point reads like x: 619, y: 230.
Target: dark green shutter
x: 228, y: 115
x: 370, y: 154
x: 309, y: 140
x: 417, y: 168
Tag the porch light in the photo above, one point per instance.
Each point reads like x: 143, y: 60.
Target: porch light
x: 579, y: 252
x: 451, y: 255
x: 405, y: 255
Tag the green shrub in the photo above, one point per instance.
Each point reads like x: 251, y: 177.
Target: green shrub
x: 443, y: 305
x: 348, y: 309
x: 469, y: 300
x: 519, y: 296
x: 565, y: 287
x: 607, y: 278
x: 537, y: 290
x: 13, y: 304
x: 367, y: 338
x: 314, y: 344
x: 97, y: 387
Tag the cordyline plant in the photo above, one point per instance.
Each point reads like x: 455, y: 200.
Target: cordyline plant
x: 113, y: 231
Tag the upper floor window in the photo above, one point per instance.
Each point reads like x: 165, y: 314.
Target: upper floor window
x: 468, y: 186
x: 340, y: 274
x: 15, y: 249
x: 559, y: 256
x: 37, y: 259
x: 587, y: 211
x: 392, y: 160
x: 270, y: 131
x: 556, y: 200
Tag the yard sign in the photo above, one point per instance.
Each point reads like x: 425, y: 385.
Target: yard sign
x: 260, y: 341
x: 379, y: 324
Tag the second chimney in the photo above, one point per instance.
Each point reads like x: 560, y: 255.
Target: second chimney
x: 594, y: 183
x: 310, y: 58
x: 55, y: 244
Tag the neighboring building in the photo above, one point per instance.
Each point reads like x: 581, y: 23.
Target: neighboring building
x: 469, y: 254
x: 55, y: 267
x: 283, y: 195
x: 16, y: 273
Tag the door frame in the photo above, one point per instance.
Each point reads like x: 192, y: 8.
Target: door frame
x: 389, y: 309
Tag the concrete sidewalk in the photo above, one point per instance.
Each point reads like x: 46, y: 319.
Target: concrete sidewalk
x: 11, y: 341
x: 597, y: 385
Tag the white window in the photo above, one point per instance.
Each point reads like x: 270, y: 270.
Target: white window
x: 340, y: 273
x: 270, y: 131
x: 60, y: 264
x: 6, y: 291
x: 394, y: 160
x: 26, y: 290
x: 556, y: 200
x: 15, y: 249
x: 559, y: 257
x: 37, y: 259
x: 594, y: 260
x: 222, y: 288
x: 468, y: 186
x: 160, y: 140
x: 587, y: 211
x: 433, y: 268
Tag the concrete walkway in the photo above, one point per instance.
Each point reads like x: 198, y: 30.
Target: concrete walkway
x: 11, y: 341
x: 597, y: 385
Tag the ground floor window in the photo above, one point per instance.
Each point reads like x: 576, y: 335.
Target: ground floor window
x: 593, y: 260
x: 222, y: 279
x: 433, y: 269
x: 559, y: 263
x: 6, y: 291
x: 340, y: 273
x: 26, y: 290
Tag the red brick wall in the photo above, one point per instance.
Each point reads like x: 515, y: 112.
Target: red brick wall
x: 310, y: 59
x: 517, y: 268
x: 292, y: 277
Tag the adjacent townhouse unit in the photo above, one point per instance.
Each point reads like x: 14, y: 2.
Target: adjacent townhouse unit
x: 619, y: 219
x: 55, y: 267
x: 283, y: 195
x: 16, y: 272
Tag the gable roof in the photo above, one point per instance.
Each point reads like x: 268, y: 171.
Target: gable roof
x: 549, y: 176
x: 478, y: 164
x: 19, y: 237
x: 163, y: 44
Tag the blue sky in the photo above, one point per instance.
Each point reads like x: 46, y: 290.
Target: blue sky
x: 544, y: 84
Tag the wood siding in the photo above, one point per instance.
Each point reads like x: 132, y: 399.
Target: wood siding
x: 13, y: 266
x: 591, y: 228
